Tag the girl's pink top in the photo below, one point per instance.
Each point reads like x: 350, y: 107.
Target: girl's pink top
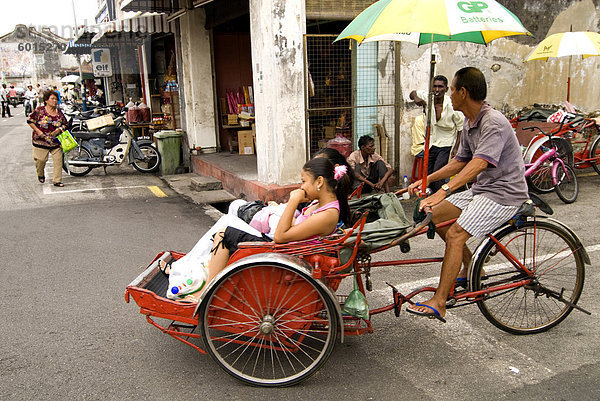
x: 331, y: 205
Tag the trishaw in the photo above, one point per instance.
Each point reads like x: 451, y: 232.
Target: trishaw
x: 273, y: 316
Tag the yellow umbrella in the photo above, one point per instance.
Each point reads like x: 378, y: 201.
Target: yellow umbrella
x: 585, y: 44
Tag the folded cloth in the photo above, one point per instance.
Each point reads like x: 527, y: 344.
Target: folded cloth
x: 419, y: 216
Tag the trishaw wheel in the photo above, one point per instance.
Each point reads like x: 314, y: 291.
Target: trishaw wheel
x: 268, y: 324
x: 520, y: 304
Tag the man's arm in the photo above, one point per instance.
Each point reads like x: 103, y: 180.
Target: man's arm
x: 452, y: 168
x: 415, y: 98
x: 387, y: 175
x: 468, y: 173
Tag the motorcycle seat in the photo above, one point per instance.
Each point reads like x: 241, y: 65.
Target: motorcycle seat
x: 87, y: 114
x: 89, y: 135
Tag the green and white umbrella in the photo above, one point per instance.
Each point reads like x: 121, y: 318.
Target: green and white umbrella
x: 423, y: 21
x: 428, y: 21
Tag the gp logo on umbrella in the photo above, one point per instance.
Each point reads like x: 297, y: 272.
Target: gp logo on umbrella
x: 472, y: 6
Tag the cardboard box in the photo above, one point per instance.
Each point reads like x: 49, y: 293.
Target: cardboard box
x: 329, y: 132
x: 232, y: 119
x: 102, y: 121
x: 245, y: 142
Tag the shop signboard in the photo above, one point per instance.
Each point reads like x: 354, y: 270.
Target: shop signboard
x: 101, y: 63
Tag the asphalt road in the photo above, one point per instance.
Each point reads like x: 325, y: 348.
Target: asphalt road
x: 67, y: 333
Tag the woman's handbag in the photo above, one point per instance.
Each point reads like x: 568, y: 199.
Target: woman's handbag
x: 67, y: 142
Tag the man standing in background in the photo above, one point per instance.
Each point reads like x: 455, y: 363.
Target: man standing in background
x: 445, y: 123
x: 4, y: 100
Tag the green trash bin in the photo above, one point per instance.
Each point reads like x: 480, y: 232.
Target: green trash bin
x: 169, y: 147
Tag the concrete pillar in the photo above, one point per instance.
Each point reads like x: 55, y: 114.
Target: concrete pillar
x: 276, y: 29
x: 197, y: 82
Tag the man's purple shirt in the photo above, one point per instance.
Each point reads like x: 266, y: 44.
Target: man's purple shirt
x: 491, y: 138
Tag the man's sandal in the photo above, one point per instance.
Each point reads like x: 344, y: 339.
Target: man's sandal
x: 41, y: 179
x: 59, y: 184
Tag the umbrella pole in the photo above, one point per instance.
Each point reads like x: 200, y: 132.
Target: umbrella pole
x: 428, y: 129
x: 569, y: 80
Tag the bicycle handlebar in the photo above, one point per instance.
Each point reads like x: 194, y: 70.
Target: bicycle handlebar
x: 417, y: 228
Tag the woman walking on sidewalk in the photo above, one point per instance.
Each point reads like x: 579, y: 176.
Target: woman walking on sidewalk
x: 47, y: 122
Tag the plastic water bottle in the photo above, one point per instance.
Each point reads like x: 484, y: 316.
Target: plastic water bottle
x: 405, y: 195
x: 177, y: 289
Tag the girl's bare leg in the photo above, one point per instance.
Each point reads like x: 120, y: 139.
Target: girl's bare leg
x: 217, y: 262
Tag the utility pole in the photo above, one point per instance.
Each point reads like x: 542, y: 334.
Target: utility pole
x: 79, y: 60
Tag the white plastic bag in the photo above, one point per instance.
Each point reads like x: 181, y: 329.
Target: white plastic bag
x: 187, y: 278
x: 189, y: 273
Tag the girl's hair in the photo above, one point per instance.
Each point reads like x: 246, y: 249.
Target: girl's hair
x: 336, y: 158
x: 323, y: 167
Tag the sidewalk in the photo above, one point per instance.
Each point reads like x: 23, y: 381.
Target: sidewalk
x: 239, y: 176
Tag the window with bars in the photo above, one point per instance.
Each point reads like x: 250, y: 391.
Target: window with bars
x: 350, y: 90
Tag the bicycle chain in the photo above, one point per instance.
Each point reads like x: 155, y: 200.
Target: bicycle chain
x: 364, y: 261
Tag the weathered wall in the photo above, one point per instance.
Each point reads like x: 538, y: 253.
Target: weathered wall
x: 196, y: 69
x: 276, y: 29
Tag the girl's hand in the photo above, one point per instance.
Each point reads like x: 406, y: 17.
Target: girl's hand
x: 298, y: 195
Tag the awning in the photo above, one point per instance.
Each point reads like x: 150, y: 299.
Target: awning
x: 154, y: 6
x: 131, y: 30
x: 82, y: 44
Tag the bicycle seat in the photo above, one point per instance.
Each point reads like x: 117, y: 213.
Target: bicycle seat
x: 538, y: 202
x: 526, y: 209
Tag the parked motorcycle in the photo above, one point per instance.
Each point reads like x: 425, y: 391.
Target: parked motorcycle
x: 110, y: 146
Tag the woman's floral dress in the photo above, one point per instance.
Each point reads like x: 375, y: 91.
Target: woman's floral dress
x: 47, y: 124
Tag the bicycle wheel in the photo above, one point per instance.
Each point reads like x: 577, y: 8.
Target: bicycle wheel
x: 77, y: 154
x: 268, y: 325
x: 567, y: 186
x: 540, y: 180
x: 518, y: 303
x: 595, y: 153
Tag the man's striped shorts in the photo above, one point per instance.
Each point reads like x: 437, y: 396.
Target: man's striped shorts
x: 480, y: 215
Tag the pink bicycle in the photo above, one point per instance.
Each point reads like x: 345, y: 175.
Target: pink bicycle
x: 551, y: 171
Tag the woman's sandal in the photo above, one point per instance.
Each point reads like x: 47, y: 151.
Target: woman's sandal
x: 165, y: 266
x: 41, y: 179
x: 59, y: 184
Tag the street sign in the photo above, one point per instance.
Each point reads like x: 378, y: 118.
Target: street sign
x: 101, y: 63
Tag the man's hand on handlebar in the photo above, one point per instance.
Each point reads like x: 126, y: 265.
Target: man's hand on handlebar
x: 433, y: 200
x: 415, y: 187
